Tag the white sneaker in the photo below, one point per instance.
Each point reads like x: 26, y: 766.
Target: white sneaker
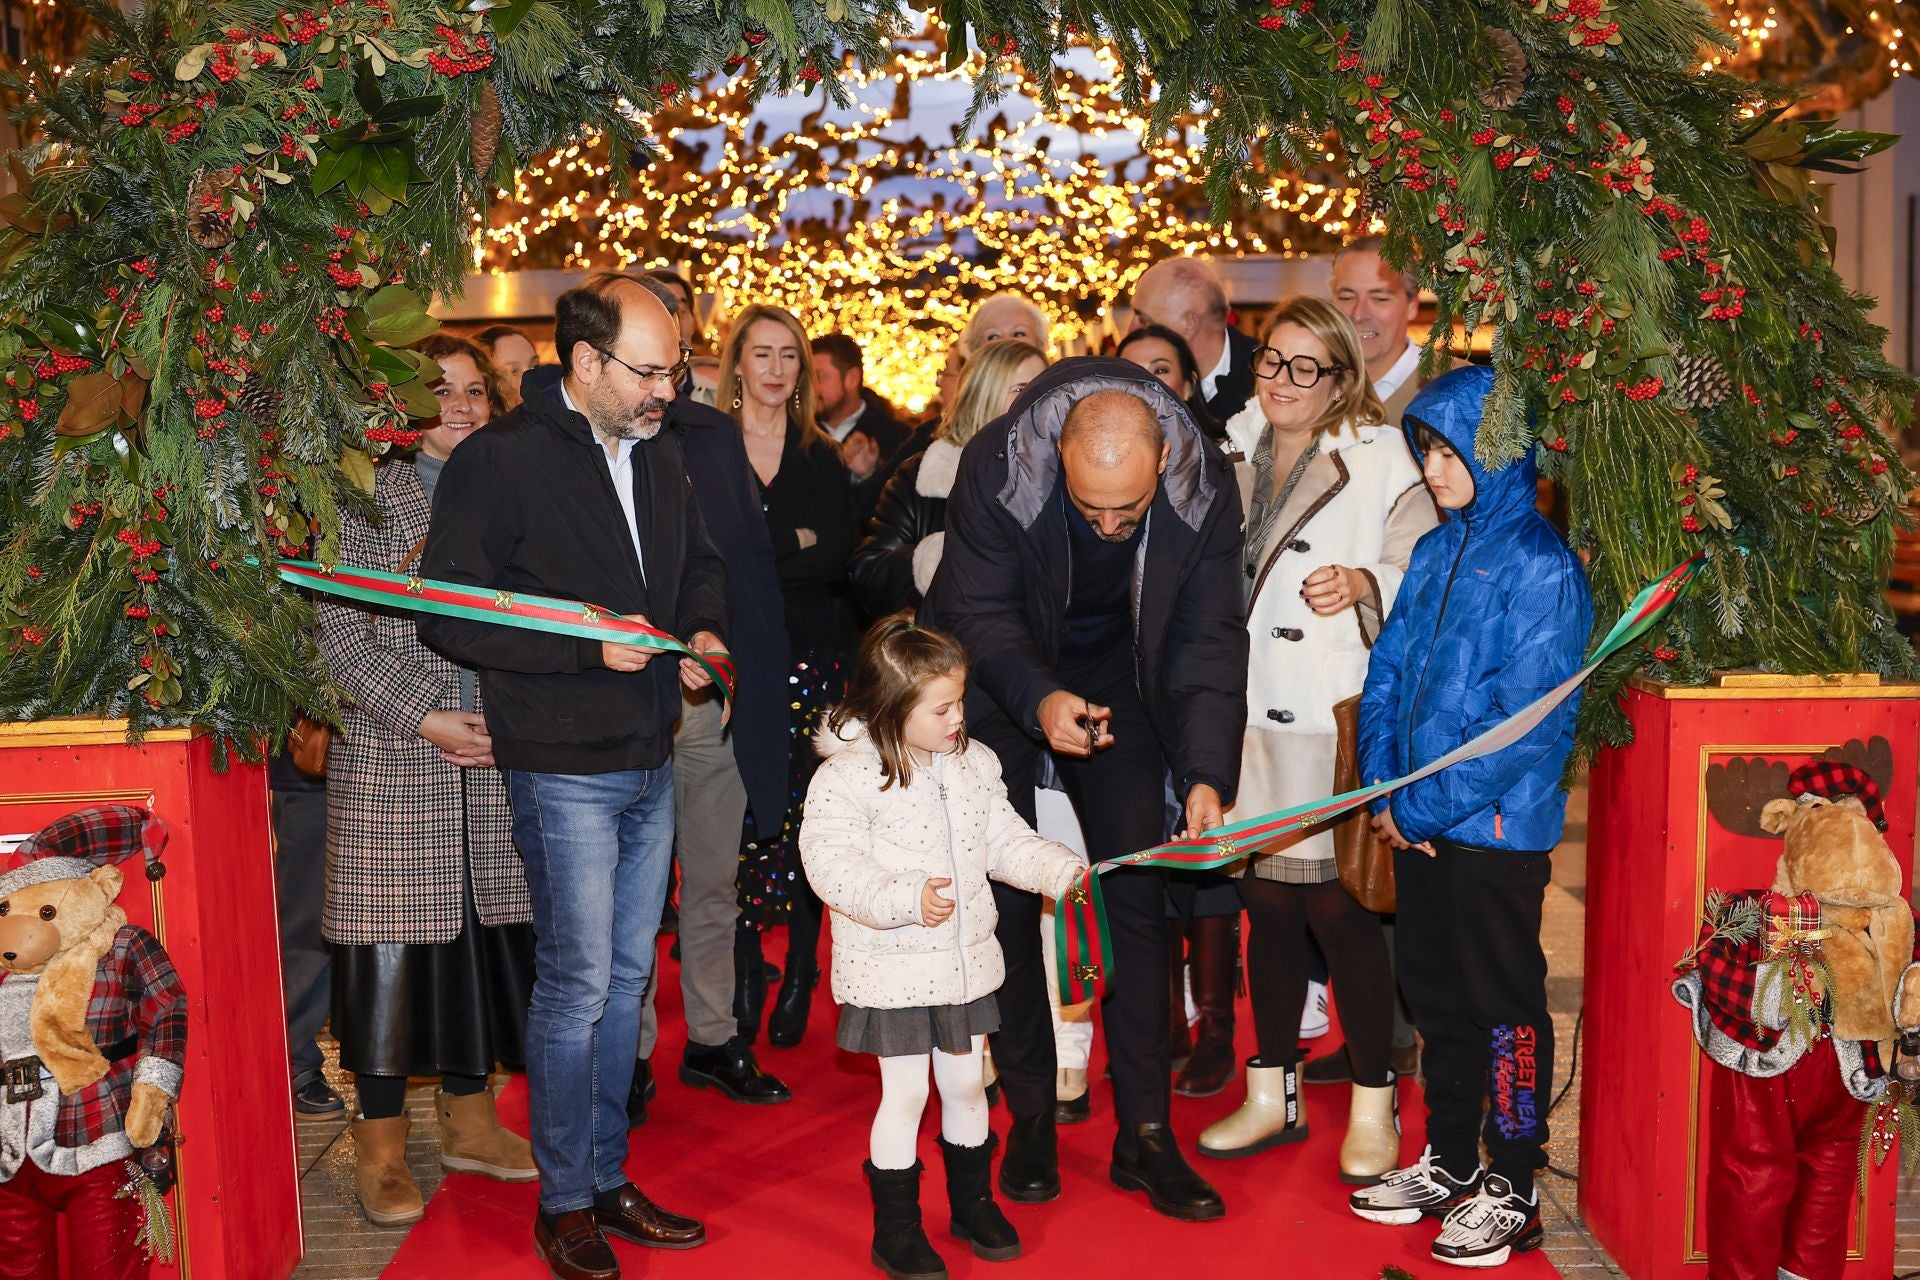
x: 1490, y: 1228
x: 1421, y: 1190
x: 1314, y: 1022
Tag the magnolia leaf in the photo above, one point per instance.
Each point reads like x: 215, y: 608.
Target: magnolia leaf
x: 417, y: 398
x: 507, y: 16
x: 409, y: 109
x: 192, y: 62
x: 93, y: 404
x: 396, y: 317
x: 335, y: 167
x: 133, y: 395
x: 15, y: 210
x: 366, y: 88
x: 358, y: 465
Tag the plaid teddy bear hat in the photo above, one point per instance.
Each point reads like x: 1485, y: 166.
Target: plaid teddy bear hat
x: 1828, y: 779
x: 75, y: 845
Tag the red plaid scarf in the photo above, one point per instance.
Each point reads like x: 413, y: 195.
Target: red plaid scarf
x: 1729, y: 969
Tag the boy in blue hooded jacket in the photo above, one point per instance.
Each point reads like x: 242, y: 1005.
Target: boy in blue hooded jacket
x: 1493, y: 613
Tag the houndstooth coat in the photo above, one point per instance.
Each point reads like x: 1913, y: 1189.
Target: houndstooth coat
x: 396, y: 810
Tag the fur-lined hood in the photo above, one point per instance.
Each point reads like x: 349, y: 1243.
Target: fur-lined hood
x: 1245, y: 428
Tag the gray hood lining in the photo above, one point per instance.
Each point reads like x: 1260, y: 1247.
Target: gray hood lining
x: 1033, y: 454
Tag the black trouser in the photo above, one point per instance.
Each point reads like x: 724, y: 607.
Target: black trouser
x: 1119, y: 796
x: 1279, y: 917
x: 1470, y: 963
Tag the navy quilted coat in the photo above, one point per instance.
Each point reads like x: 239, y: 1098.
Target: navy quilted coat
x: 1493, y: 613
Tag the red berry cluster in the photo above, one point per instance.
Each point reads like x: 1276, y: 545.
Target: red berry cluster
x: 461, y: 57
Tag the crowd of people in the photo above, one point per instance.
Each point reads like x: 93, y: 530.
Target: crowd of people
x: 1085, y: 605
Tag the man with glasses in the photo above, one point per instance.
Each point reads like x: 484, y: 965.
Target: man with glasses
x: 580, y: 495
x: 1186, y: 296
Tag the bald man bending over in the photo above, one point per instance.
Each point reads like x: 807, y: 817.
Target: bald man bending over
x: 581, y: 495
x: 1092, y: 572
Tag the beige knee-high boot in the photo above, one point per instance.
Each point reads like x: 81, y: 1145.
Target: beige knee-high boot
x: 388, y: 1194
x: 1372, y: 1147
x: 1274, y: 1113
x: 473, y: 1141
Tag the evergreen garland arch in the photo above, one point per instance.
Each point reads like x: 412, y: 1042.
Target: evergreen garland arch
x: 226, y: 231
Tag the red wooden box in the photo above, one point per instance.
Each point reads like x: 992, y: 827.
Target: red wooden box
x: 1654, y: 851
x: 237, y: 1204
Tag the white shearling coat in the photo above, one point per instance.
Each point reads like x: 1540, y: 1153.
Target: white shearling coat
x: 1361, y: 504
x: 869, y: 852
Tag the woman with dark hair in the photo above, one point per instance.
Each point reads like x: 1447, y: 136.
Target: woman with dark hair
x: 426, y: 902
x: 766, y: 383
x: 1166, y: 355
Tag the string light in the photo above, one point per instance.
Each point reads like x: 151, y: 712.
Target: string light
x: 873, y: 222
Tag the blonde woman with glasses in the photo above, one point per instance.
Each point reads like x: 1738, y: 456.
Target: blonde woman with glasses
x: 1335, y: 503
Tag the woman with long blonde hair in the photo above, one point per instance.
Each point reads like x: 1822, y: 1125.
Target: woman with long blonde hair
x: 766, y: 383
x: 892, y: 568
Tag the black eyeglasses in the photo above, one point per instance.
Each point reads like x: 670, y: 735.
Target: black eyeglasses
x: 1302, y: 371
x: 672, y: 375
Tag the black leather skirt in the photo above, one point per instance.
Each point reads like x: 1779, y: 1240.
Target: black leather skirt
x: 428, y: 1009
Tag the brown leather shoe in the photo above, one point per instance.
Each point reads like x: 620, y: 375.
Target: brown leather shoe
x: 573, y: 1248
x: 628, y: 1213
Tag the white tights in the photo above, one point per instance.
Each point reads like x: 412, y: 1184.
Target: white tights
x: 961, y: 1078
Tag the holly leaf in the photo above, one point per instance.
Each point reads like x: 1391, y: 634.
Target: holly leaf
x: 93, y: 405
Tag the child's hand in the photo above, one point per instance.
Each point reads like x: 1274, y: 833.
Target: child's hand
x: 1383, y: 826
x: 934, y: 909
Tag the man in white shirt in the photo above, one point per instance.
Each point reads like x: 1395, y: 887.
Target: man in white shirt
x: 1381, y: 302
x: 855, y: 417
x: 1186, y: 296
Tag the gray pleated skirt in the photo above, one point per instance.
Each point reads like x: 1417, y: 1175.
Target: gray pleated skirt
x: 894, y: 1033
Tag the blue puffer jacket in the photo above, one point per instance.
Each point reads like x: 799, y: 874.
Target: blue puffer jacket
x: 1493, y: 613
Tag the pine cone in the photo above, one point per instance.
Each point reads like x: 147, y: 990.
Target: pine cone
x: 1372, y: 204
x: 1701, y: 382
x: 1509, y: 70
x: 486, y: 131
x: 260, y: 402
x: 208, y: 221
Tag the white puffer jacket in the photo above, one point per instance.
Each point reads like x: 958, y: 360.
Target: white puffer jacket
x: 868, y: 853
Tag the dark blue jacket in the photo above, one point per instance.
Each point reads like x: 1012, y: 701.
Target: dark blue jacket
x: 716, y: 462
x: 1494, y: 612
x: 1004, y: 576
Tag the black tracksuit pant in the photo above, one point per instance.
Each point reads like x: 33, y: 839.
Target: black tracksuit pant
x: 1120, y: 796
x: 1470, y: 965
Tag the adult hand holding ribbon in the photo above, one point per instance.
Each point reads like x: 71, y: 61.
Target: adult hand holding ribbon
x: 502, y: 608
x: 1084, y: 947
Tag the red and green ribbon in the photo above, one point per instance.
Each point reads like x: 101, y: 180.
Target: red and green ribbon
x: 1083, y: 944
x: 502, y: 608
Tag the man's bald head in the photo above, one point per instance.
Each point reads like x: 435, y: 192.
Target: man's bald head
x: 618, y: 345
x: 1184, y: 294
x: 1112, y: 452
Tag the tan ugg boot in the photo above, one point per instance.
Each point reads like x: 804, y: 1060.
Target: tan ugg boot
x: 388, y: 1194
x: 1274, y: 1113
x: 1372, y: 1147
x: 472, y: 1141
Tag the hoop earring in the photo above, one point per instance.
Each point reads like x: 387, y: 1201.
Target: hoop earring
x: 736, y: 402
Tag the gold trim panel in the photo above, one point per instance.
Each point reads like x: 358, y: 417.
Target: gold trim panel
x: 82, y: 733
x: 1753, y: 686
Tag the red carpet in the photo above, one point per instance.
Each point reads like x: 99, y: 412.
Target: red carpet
x: 781, y: 1187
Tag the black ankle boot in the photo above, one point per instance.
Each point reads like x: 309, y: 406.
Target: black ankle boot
x: 749, y: 984
x: 900, y: 1244
x: 787, y: 1022
x: 1030, y: 1171
x: 977, y: 1220
x: 1146, y: 1158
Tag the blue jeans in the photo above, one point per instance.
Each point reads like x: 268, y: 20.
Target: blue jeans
x: 597, y: 847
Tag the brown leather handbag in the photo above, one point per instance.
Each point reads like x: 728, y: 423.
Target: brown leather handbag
x: 1365, y: 861
x: 307, y: 743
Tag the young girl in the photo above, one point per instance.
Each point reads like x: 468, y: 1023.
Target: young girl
x: 906, y: 821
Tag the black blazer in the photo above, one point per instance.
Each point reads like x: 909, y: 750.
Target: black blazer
x: 528, y: 505
x: 1231, y: 393
x: 812, y: 491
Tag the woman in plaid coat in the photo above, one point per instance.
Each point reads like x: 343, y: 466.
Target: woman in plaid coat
x: 426, y: 903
